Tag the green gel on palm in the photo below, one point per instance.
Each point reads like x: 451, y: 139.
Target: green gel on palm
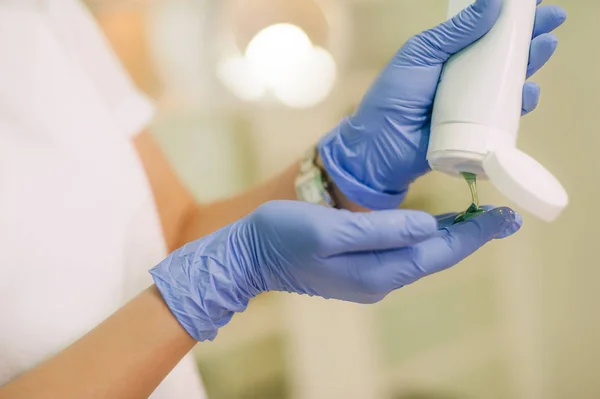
x: 474, y: 210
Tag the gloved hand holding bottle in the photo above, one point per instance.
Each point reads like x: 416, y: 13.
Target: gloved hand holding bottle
x: 309, y: 249
x: 374, y: 155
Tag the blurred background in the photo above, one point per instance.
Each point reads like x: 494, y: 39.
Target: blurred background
x: 244, y: 86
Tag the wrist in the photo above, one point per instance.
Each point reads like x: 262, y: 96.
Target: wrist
x: 336, y: 159
x: 312, y: 183
x: 204, y: 284
x: 344, y: 203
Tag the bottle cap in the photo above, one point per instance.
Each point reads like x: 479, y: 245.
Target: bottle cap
x: 526, y: 182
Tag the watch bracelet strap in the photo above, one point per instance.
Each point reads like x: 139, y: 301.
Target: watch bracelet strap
x: 310, y: 162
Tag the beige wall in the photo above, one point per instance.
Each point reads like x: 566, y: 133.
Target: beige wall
x: 564, y: 135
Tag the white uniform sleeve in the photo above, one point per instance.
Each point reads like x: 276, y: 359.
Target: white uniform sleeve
x: 85, y: 43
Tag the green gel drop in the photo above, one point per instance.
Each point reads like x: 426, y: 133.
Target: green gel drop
x: 474, y: 210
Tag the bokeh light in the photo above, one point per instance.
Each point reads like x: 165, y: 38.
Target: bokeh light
x: 281, y: 59
x: 310, y: 82
x: 242, y: 79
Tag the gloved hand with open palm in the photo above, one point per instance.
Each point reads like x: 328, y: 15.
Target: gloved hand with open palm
x: 309, y: 249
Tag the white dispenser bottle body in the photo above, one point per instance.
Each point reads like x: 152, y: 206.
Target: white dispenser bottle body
x: 478, y: 108
x: 479, y: 99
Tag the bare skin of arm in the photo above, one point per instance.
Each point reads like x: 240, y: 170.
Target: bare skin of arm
x: 127, y: 356
x: 184, y: 220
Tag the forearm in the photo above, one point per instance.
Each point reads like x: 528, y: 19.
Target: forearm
x: 127, y: 356
x: 184, y: 220
x: 205, y: 219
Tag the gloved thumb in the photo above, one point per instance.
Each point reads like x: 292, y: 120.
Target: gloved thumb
x: 380, y: 230
x: 464, y: 29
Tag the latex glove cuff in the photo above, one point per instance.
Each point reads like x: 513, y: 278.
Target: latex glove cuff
x: 354, y: 190
x: 203, y: 284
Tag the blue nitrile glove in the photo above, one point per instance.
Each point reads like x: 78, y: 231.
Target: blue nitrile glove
x: 309, y: 249
x: 375, y: 154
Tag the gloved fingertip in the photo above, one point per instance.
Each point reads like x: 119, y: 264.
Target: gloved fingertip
x: 559, y: 14
x: 466, y: 27
x: 531, y: 97
x: 488, y: 10
x: 505, y: 213
x: 549, y: 41
x: 532, y: 91
x: 487, y: 6
x: 542, y: 48
x: 547, y: 19
x: 509, y: 221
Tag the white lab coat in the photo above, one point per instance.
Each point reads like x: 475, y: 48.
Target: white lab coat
x: 78, y: 224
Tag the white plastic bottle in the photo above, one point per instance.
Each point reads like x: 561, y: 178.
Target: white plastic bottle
x: 477, y: 112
